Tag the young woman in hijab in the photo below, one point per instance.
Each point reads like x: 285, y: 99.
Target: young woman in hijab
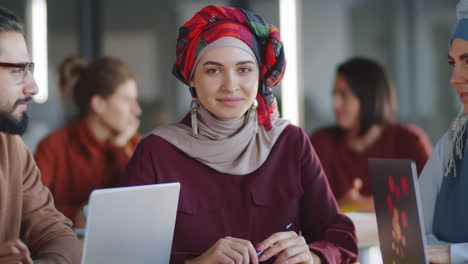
x: 364, y: 106
x: 444, y: 180
x: 244, y: 175
x: 92, y: 151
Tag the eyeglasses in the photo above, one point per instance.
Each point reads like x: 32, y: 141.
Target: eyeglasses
x: 21, y: 71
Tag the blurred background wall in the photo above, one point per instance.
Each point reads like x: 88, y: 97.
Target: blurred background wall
x: 409, y: 37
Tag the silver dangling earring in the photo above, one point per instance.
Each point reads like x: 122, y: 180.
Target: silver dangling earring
x: 193, y: 114
x: 254, y: 105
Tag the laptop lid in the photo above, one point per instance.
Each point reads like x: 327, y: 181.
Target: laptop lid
x: 131, y: 224
x: 398, y: 211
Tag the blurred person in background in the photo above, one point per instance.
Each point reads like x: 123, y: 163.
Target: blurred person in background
x: 93, y: 150
x: 364, y: 104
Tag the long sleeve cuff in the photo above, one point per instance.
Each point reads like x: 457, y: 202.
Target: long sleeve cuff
x: 331, y: 253
x: 431, y: 239
x: 459, y: 253
x: 63, y: 250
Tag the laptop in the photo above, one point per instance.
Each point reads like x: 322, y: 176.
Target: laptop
x: 131, y: 224
x: 398, y: 211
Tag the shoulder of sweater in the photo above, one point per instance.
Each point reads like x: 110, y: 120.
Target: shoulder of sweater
x: 407, y: 131
x: 293, y: 129
x: 291, y: 132
x: 10, y: 142
x: 58, y: 137
x: 328, y: 133
x: 152, y: 140
x: 13, y: 150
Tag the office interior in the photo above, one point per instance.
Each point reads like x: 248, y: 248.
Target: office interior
x: 409, y: 37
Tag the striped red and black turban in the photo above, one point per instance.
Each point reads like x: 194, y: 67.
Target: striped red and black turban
x: 215, y: 22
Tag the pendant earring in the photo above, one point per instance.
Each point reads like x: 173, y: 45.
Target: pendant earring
x: 193, y: 114
x: 254, y: 105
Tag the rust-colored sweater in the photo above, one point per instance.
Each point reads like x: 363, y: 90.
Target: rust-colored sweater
x: 27, y: 210
x: 73, y: 162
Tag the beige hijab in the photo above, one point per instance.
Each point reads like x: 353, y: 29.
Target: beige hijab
x: 239, y: 146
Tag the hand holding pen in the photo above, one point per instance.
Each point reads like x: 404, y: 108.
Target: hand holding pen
x: 286, y: 228
x: 227, y: 250
x: 288, y: 247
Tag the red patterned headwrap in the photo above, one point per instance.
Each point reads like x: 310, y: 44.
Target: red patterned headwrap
x: 214, y: 22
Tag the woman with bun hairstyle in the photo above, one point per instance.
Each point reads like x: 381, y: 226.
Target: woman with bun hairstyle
x: 93, y: 150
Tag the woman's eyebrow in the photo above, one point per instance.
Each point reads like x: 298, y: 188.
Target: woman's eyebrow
x: 220, y: 64
x: 464, y: 56
x: 213, y: 63
x: 245, y: 62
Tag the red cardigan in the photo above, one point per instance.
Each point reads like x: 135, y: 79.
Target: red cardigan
x: 73, y: 163
x: 290, y: 187
x: 342, y: 164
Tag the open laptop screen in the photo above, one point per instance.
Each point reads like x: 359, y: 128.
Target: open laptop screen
x: 398, y: 211
x: 131, y: 224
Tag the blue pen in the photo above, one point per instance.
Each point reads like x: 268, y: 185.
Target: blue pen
x: 286, y: 228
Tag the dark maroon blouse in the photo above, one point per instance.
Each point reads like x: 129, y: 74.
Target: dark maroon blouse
x: 290, y: 187
x: 342, y: 164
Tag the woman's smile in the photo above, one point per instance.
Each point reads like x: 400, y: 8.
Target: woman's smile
x: 230, y: 101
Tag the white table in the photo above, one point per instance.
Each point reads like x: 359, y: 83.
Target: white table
x: 368, y: 237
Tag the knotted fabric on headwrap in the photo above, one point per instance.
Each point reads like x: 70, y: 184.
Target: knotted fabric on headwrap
x: 214, y: 22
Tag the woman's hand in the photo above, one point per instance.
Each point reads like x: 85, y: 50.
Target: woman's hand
x: 228, y: 250
x: 119, y: 140
x: 79, y: 221
x: 354, y: 201
x: 14, y: 251
x: 288, y: 247
x: 438, y: 254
